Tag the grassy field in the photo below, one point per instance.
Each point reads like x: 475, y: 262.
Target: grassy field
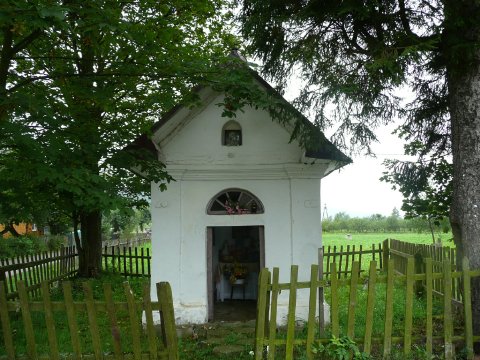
x: 367, y: 239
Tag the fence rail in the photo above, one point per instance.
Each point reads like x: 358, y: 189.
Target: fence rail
x: 120, y: 323
x: 401, y: 251
x: 62, y: 264
x: 34, y: 269
x: 128, y: 263
x: 133, y: 242
x: 269, y: 340
x: 345, y: 256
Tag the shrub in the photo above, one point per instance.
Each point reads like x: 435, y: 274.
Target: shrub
x: 22, y: 245
x: 341, y: 348
x: 55, y: 242
x: 5, y: 250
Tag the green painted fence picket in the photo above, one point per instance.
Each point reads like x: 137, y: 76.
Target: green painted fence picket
x: 132, y: 342
x: 345, y: 255
x: 272, y: 344
x: 401, y: 251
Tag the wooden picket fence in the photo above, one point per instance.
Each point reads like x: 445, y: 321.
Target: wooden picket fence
x: 127, y: 262
x: 401, y: 251
x: 105, y: 329
x: 270, y: 340
x: 138, y: 241
x: 62, y: 264
x: 34, y: 269
x: 345, y: 256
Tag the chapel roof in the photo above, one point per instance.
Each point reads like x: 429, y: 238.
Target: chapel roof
x: 326, y: 150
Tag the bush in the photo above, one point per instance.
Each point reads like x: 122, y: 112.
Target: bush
x: 5, y: 250
x: 22, y: 245
x: 55, y: 242
x: 339, y: 349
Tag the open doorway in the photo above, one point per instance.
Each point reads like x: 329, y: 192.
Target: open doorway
x: 235, y: 255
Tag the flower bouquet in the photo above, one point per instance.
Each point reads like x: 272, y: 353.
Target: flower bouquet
x: 235, y: 272
x: 233, y: 207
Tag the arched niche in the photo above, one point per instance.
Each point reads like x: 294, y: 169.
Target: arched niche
x: 231, y: 134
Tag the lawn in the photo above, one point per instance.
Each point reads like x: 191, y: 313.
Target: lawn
x: 367, y: 239
x: 61, y: 323
x: 202, y: 344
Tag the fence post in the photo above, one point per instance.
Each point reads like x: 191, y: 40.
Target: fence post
x: 5, y: 320
x: 447, y: 313
x: 261, y: 304
x: 321, y: 309
x: 169, y: 333
x: 3, y: 279
x: 386, y: 251
x: 407, y: 334
x: 419, y: 270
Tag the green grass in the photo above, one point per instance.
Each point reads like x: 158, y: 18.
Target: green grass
x: 61, y: 324
x: 367, y: 239
x: 419, y: 315
x: 113, y: 265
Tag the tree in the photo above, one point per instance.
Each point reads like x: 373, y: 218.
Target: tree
x: 393, y: 221
x: 357, y: 54
x: 426, y: 184
x: 426, y: 187
x: 117, y: 221
x: 80, y: 81
x: 341, y: 220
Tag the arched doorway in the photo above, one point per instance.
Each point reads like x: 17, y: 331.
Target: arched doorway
x: 235, y: 255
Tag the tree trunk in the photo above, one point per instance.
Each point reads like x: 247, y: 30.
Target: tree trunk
x: 463, y: 77
x: 90, y: 254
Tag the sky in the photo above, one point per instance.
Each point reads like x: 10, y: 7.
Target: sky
x: 356, y: 189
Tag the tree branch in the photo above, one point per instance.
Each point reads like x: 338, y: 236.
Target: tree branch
x: 404, y: 19
x: 22, y: 44
x: 150, y: 76
x: 5, y: 57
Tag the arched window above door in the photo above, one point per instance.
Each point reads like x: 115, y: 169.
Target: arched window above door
x: 234, y: 202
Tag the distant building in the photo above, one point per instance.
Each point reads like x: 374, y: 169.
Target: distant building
x: 22, y: 229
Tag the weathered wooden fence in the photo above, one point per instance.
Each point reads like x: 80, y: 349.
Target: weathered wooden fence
x: 280, y: 345
x: 126, y: 261
x: 99, y: 329
x: 59, y: 265
x: 48, y: 266
x: 401, y: 251
x: 345, y: 256
x: 137, y: 241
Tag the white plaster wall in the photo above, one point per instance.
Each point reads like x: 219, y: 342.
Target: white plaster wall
x: 267, y: 165
x: 292, y: 236
x: 197, y: 141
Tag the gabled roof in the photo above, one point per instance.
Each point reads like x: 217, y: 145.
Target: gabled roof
x: 327, y: 150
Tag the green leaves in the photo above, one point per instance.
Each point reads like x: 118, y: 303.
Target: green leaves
x: 352, y: 56
x: 93, y: 77
x: 342, y: 348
